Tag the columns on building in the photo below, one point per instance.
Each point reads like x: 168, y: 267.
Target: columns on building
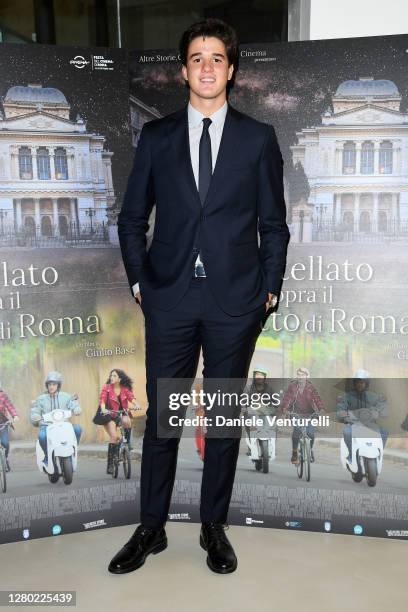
x: 337, y: 197
x: 34, y: 162
x: 73, y: 215
x: 19, y: 216
x: 51, y: 153
x: 376, y: 157
x: 394, y: 208
x: 358, y: 158
x: 55, y: 218
x: 14, y: 169
x: 37, y: 214
x: 338, y: 158
x: 337, y: 208
x: 356, y: 211
x: 71, y: 163
x: 397, y: 158
x: 375, y: 212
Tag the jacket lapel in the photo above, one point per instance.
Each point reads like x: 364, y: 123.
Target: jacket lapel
x: 178, y: 134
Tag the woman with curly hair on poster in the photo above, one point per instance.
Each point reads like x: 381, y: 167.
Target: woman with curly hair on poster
x: 116, y: 396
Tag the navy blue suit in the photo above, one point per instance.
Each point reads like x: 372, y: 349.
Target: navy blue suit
x: 222, y: 313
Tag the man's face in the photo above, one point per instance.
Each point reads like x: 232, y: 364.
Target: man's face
x: 52, y: 387
x: 259, y: 379
x: 207, y: 70
x: 360, y: 385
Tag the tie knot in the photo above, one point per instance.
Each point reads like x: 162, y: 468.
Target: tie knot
x: 206, y: 121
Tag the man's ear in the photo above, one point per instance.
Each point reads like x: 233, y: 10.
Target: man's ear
x: 230, y: 71
x: 184, y: 72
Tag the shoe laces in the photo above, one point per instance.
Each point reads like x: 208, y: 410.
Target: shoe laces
x: 218, y: 530
x: 139, y: 534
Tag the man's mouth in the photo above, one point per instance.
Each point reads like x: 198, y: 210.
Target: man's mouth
x: 207, y: 80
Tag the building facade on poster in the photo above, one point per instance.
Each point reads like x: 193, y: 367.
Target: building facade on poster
x: 140, y: 113
x: 356, y: 161
x: 54, y: 175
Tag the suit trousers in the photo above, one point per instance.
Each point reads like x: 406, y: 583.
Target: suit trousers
x: 172, y: 341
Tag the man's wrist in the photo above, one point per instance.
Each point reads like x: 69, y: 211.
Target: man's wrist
x: 272, y: 300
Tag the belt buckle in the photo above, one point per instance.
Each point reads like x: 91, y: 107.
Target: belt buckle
x: 199, y: 271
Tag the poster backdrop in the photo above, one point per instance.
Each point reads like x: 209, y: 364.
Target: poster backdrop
x: 66, y: 145
x: 340, y: 112
x: 65, y: 154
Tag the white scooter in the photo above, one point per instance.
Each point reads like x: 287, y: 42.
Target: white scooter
x: 367, y: 452
x: 62, y: 447
x: 261, y: 443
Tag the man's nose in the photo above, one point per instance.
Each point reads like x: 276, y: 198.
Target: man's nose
x: 207, y: 66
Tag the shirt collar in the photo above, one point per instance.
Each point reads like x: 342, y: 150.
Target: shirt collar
x: 195, y: 117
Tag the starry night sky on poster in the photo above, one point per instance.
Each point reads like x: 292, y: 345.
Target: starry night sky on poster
x: 99, y: 96
x: 290, y: 92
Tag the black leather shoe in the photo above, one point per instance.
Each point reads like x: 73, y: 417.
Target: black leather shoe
x: 221, y: 557
x: 144, y: 541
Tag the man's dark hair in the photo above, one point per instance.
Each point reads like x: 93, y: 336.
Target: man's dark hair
x: 211, y: 27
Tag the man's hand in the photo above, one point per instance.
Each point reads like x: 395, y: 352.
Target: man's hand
x: 104, y: 410
x: 271, y: 303
x: 16, y: 418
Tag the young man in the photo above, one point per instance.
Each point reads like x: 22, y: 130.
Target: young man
x: 213, y: 173
x: 52, y: 399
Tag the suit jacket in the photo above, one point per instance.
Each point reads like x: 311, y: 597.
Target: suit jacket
x: 245, y: 193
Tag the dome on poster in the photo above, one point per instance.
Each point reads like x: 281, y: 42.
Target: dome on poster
x: 366, y: 87
x: 35, y: 94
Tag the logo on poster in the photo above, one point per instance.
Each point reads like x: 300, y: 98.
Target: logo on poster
x: 358, y: 529
x: 179, y: 516
x: 294, y: 524
x: 26, y: 534
x: 397, y: 533
x: 250, y: 521
x: 93, y: 524
x: 56, y: 529
x: 79, y: 62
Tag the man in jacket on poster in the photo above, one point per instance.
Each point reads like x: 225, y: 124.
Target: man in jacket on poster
x: 216, y: 178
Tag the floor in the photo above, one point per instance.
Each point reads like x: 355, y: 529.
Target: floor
x: 278, y: 570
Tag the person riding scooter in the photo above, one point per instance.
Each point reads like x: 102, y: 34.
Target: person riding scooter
x: 51, y: 400
x: 261, y: 436
x: 360, y: 404
x: 302, y: 397
x: 259, y: 385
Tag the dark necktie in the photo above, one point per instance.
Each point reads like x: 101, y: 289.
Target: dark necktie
x: 205, y: 161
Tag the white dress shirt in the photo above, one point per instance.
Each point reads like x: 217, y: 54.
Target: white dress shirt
x: 195, y: 128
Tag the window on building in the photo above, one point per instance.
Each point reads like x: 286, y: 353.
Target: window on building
x: 385, y: 157
x: 143, y: 24
x: 43, y: 164
x: 25, y: 163
x: 349, y: 158
x: 61, y: 164
x: 367, y: 158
